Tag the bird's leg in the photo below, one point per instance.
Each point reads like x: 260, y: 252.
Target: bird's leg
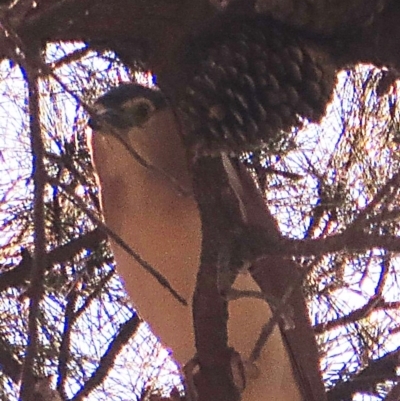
x: 251, y: 369
x: 239, y: 372
x: 280, y: 308
x: 286, y: 315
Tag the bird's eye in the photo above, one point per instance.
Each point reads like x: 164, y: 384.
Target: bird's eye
x: 138, y: 110
x: 143, y: 111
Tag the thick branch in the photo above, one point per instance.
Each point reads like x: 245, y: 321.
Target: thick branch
x: 210, y: 308
x: 347, y: 241
x: 156, y: 31
x: 39, y: 261
x: 275, y: 274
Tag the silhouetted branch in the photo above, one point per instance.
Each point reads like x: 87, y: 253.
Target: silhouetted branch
x: 65, y: 350
x: 372, y: 305
x: 261, y: 246
x: 36, y: 288
x: 8, y: 364
x: 377, y: 371
x: 219, y: 215
x: 20, y: 274
x: 125, y: 333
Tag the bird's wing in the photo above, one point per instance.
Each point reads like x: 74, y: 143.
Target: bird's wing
x: 274, y: 274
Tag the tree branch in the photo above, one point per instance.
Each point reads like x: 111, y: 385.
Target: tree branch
x: 39, y: 262
x: 121, y: 339
x: 21, y: 273
x: 210, y: 306
x: 372, y: 305
x: 377, y: 371
x: 9, y: 365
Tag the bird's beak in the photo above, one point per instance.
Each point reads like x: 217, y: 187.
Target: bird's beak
x: 103, y: 117
x: 98, y: 117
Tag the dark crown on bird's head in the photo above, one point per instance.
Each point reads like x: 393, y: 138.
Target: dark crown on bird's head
x: 126, y: 106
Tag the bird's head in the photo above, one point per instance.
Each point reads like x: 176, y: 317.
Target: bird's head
x: 135, y: 119
x: 126, y: 106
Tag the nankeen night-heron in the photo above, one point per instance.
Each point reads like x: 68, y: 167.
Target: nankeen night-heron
x: 163, y: 226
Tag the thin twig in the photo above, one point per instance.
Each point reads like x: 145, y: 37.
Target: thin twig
x: 65, y: 346
x: 374, y: 304
x: 125, y: 333
x: 110, y: 129
x: 92, y: 296
x: 235, y: 294
x: 70, y: 57
x: 119, y: 241
x: 143, y: 162
x: 393, y: 182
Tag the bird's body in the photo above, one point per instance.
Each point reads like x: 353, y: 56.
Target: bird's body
x: 145, y: 209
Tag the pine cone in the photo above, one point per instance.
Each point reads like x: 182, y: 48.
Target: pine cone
x: 254, y: 81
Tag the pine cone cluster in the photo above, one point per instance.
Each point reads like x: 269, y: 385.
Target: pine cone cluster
x: 254, y: 81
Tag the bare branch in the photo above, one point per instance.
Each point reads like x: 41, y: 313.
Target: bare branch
x: 21, y: 273
x: 121, y: 339
x: 39, y: 261
x: 378, y: 370
x: 372, y: 305
x: 155, y: 273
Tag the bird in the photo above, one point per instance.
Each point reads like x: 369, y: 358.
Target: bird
x: 153, y: 211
